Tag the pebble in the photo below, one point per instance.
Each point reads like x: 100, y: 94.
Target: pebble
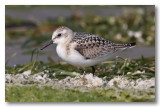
x: 87, y: 80
x: 27, y: 73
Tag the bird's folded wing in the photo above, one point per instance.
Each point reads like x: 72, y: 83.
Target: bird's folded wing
x: 93, y: 46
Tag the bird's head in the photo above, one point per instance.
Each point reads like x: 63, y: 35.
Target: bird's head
x: 62, y: 35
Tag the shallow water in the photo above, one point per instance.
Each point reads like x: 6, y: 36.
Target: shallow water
x: 43, y: 13
x: 20, y: 58
x: 38, y: 14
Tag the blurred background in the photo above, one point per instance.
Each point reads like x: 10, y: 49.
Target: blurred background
x: 28, y: 27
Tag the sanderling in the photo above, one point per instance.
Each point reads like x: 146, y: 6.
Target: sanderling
x: 83, y: 49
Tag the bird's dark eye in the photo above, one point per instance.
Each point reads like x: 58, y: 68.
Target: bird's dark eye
x: 59, y: 35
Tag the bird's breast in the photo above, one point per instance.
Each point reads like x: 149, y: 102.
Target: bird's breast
x: 72, y: 56
x: 61, y: 51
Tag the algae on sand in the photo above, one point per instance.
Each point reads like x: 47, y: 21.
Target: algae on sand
x: 34, y: 93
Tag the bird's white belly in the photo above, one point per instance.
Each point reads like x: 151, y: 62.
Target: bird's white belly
x: 72, y: 57
x: 75, y: 58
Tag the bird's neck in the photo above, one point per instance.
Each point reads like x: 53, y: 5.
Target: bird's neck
x: 64, y: 47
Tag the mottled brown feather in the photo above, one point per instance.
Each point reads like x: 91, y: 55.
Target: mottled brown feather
x: 91, y: 46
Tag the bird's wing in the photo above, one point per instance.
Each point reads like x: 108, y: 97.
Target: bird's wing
x: 91, y: 46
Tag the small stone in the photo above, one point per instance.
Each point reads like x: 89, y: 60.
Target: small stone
x: 27, y: 73
x: 38, y: 78
x: 8, y: 78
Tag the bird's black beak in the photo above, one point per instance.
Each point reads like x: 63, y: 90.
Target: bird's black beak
x: 46, y: 44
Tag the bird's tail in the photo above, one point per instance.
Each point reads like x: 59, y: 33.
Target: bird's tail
x: 124, y: 46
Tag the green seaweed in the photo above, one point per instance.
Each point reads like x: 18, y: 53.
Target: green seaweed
x: 48, y: 94
x: 125, y: 67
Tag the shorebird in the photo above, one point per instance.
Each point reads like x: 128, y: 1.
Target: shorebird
x: 83, y: 49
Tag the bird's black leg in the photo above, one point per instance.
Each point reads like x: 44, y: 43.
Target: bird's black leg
x: 93, y: 70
